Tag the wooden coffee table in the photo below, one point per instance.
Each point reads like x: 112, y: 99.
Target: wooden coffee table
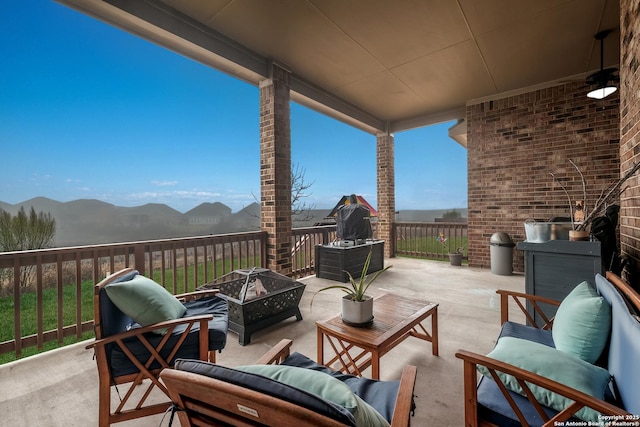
x: 395, y: 319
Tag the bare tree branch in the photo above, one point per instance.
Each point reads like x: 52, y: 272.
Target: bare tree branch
x: 300, y: 211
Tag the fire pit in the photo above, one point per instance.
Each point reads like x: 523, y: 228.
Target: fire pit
x: 257, y: 298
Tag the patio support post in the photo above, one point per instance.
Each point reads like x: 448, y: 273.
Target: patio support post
x: 275, y: 168
x: 386, y: 191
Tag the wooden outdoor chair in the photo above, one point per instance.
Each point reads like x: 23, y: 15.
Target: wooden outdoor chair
x: 131, y: 354
x: 206, y: 394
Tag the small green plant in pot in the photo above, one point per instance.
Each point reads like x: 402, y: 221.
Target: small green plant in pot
x: 357, y: 306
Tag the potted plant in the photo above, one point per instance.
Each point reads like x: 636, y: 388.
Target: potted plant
x: 455, y: 257
x: 357, y: 306
x: 581, y: 219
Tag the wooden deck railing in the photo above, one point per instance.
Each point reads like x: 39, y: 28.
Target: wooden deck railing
x: 303, y: 248
x: 420, y: 239
x: 49, y: 291
x: 55, y: 286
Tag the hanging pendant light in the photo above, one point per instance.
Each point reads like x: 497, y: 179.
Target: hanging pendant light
x: 602, y: 92
x: 605, y: 76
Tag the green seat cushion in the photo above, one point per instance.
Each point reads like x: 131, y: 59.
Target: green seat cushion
x: 582, y: 323
x: 145, y: 301
x: 554, y: 364
x: 324, y: 386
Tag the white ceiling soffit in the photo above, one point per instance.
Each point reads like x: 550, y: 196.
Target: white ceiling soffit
x: 458, y: 132
x: 382, y: 65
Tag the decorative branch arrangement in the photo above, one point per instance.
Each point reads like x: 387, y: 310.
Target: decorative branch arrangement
x: 568, y: 198
x: 614, y: 190
x: 606, y: 196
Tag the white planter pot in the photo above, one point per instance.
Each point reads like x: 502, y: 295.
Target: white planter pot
x: 357, y: 312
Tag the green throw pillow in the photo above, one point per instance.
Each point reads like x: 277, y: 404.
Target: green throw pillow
x: 553, y: 364
x: 145, y: 301
x: 582, y: 323
x: 324, y: 386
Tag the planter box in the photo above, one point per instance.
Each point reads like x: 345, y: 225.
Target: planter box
x: 257, y: 298
x: 332, y: 261
x: 554, y: 268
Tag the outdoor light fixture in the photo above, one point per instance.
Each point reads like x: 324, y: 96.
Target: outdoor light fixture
x: 604, y: 76
x: 602, y: 92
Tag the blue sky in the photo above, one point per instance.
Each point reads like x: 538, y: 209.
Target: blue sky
x: 88, y: 111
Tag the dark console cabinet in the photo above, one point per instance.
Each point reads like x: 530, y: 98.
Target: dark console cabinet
x: 552, y: 269
x: 332, y: 261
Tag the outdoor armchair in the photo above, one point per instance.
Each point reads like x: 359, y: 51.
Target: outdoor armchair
x: 140, y: 330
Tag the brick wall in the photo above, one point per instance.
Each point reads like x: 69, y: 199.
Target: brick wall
x: 513, y: 144
x: 275, y: 169
x: 386, y: 191
x: 630, y: 134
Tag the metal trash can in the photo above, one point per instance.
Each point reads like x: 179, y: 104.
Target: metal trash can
x: 501, y: 254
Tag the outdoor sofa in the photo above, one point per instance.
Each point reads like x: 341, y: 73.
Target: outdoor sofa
x: 581, y: 368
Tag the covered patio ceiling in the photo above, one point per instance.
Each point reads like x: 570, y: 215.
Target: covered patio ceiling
x: 382, y: 65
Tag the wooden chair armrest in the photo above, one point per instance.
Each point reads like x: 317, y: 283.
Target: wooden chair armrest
x: 170, y: 324
x: 277, y: 354
x: 625, y: 288
x: 189, y: 296
x: 580, y: 399
x: 531, y: 297
x: 404, y: 400
x: 534, y: 300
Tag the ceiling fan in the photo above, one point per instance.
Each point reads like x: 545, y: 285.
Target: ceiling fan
x: 605, y: 78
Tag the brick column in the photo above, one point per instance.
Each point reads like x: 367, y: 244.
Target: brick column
x: 275, y: 169
x: 386, y: 192
x: 630, y: 135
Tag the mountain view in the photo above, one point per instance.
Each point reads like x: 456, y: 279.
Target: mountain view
x: 88, y: 221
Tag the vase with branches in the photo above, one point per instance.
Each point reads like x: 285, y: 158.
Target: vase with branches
x: 606, y: 197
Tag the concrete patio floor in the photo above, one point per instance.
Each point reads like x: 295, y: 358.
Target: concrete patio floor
x: 59, y: 388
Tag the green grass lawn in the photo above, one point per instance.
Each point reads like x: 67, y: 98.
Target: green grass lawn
x: 430, y: 246
x: 29, y: 315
